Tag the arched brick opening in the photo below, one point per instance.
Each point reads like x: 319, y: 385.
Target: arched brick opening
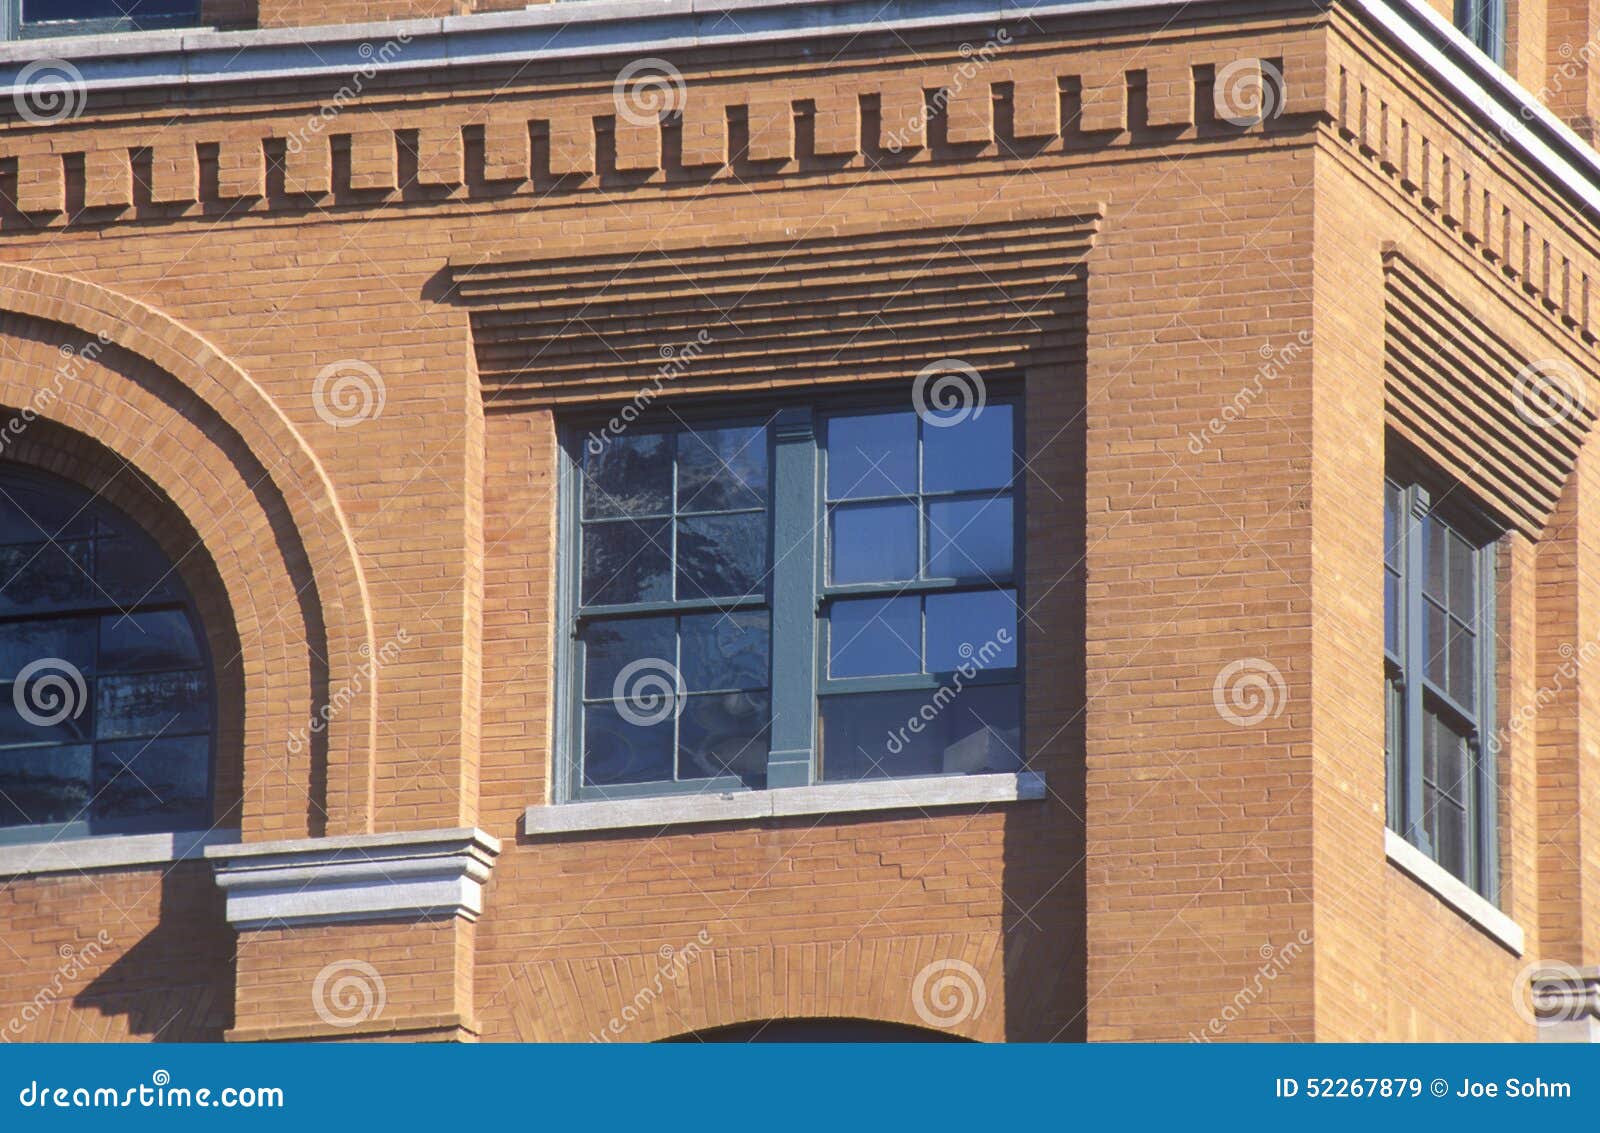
x: 114, y: 395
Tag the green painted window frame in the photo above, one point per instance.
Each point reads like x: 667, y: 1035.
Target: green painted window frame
x: 1484, y: 22
x: 797, y: 591
x: 1412, y: 697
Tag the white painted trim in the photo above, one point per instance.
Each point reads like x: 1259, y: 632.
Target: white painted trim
x: 414, y: 874
x: 784, y: 802
x: 1452, y: 891
x: 107, y: 851
x: 643, y: 27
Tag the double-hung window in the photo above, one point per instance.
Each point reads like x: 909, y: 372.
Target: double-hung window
x: 788, y: 596
x: 1484, y: 22
x: 1439, y: 668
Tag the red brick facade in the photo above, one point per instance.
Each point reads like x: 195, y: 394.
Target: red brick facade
x: 314, y: 298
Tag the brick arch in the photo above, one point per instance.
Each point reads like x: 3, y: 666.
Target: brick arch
x: 199, y: 429
x: 868, y: 979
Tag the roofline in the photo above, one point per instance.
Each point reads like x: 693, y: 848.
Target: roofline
x: 636, y: 27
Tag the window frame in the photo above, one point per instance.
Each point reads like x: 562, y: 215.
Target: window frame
x: 1484, y: 23
x: 90, y: 828
x: 796, y: 590
x: 1425, y: 498
x: 13, y: 28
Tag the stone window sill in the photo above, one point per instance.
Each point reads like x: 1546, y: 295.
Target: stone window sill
x: 784, y: 802
x: 107, y: 851
x: 1452, y: 891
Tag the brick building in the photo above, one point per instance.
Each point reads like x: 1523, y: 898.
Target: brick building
x: 715, y: 518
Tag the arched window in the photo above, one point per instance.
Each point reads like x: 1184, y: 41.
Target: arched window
x: 105, y: 683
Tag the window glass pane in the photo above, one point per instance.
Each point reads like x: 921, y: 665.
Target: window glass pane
x: 873, y: 542
x: 979, y: 628
x: 157, y: 703
x: 722, y: 556
x: 133, y: 569
x: 1435, y: 558
x: 722, y: 469
x: 880, y: 735
x: 39, y: 576
x: 627, y: 562
x: 609, y: 647
x: 63, y: 639
x: 1392, y: 503
x: 725, y: 650
x: 36, y: 10
x: 28, y: 516
x: 54, y: 705
x: 1463, y: 580
x: 161, y: 640
x: 44, y: 784
x: 872, y: 455
x: 1434, y: 643
x: 630, y: 475
x: 617, y: 750
x: 1463, y: 667
x: 973, y: 453
x: 1391, y: 611
x: 153, y: 777
x: 969, y: 538
x: 870, y: 637
x: 724, y: 734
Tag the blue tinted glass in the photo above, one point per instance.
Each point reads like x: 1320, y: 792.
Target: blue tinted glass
x: 869, y: 637
x: 45, y: 784
x: 154, y: 704
x: 968, y: 454
x: 893, y: 734
x: 627, y: 561
x: 725, y: 651
x: 725, y: 734
x: 609, y: 647
x: 722, y: 469
x: 30, y: 516
x: 1391, y: 612
x: 1392, y: 501
x: 873, y: 542
x: 52, y: 704
x: 46, y: 577
x: 722, y: 556
x: 42, y: 10
x: 620, y: 750
x: 872, y: 455
x: 131, y: 569
x: 630, y: 475
x: 160, y: 640
x: 969, y: 538
x: 38, y: 643
x: 977, y: 628
x: 168, y: 777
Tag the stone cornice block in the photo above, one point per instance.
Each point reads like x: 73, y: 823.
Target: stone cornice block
x: 366, y: 877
